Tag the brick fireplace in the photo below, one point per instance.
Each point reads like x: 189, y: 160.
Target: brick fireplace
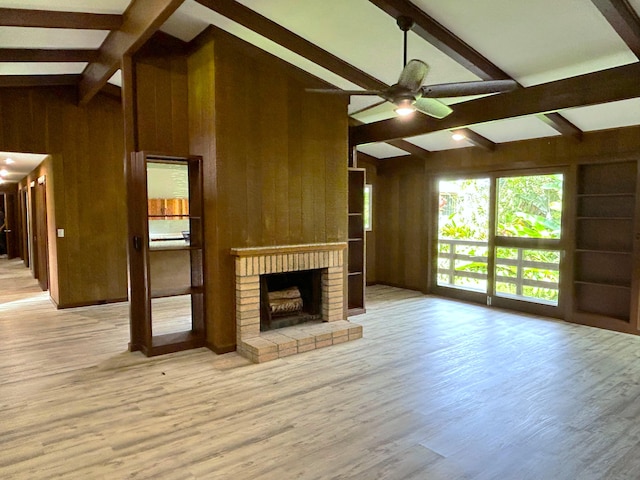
x: 251, y: 263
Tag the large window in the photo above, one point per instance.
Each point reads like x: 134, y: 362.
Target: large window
x: 516, y: 258
x: 463, y: 230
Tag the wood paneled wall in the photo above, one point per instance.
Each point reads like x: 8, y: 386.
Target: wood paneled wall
x: 161, y: 103
x: 275, y: 163
x: 402, y: 213
x: 399, y: 210
x: 85, y: 186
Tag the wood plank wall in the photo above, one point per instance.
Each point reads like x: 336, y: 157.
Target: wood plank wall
x: 275, y: 163
x: 400, y: 206
x: 85, y: 186
x: 402, y: 215
x: 161, y: 102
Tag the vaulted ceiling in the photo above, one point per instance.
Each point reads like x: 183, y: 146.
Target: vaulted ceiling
x: 576, y: 61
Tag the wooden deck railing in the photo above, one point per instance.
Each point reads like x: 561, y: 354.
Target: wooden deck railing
x: 456, y: 257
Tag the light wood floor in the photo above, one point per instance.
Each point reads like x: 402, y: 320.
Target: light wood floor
x: 435, y: 390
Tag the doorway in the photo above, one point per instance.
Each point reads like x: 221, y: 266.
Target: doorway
x: 499, y: 240
x: 38, y: 227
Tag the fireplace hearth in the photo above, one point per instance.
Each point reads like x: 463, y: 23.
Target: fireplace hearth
x: 309, y: 274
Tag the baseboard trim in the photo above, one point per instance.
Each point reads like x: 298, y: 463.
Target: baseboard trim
x: 220, y: 350
x: 88, y: 304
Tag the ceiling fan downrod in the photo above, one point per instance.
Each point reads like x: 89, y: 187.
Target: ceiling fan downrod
x: 405, y: 23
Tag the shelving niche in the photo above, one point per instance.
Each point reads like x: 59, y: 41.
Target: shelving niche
x: 356, y: 252
x: 604, y: 245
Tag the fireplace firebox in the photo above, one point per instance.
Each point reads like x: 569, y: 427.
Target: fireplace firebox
x: 290, y: 298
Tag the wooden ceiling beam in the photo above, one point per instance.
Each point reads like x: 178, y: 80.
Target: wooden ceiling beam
x: 619, y: 83
x: 140, y: 21
x: 624, y: 21
x: 562, y: 125
x: 18, y: 17
x: 38, y: 80
x: 408, y: 147
x: 289, y: 40
x: 46, y: 55
x: 441, y: 38
x: 438, y: 36
x: 476, y: 139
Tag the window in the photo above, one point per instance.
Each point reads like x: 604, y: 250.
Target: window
x: 367, y: 214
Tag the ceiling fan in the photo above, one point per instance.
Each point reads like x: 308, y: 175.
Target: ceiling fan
x: 409, y: 94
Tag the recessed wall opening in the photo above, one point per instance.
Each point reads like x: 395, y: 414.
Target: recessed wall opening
x: 290, y: 298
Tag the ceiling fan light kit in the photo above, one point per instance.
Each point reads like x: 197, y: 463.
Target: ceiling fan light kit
x: 409, y: 94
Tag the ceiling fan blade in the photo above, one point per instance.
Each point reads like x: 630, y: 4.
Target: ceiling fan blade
x: 378, y: 111
x: 413, y: 75
x: 432, y: 107
x: 336, y: 91
x: 460, y: 89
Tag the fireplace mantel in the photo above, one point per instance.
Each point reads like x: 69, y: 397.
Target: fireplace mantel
x: 286, y: 249
x: 252, y: 262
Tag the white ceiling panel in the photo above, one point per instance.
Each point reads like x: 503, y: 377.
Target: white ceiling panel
x: 42, y: 68
x: 381, y: 150
x: 534, y: 41
x: 23, y: 37
x: 116, y: 78
x: 602, y: 117
x: 198, y: 13
x: 436, y: 141
x: 635, y: 4
x: 514, y: 129
x: 361, y: 34
x: 359, y: 102
x: 89, y: 6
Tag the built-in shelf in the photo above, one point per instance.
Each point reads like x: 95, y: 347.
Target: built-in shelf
x: 608, y: 252
x: 356, y: 252
x: 603, y: 272
x: 605, y: 218
x: 171, y: 263
x: 601, y: 284
x: 174, y: 292
x: 169, y: 248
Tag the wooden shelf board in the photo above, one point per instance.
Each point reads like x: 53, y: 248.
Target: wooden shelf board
x: 606, y: 252
x: 173, y: 249
x: 175, y: 342
x: 602, y: 284
x: 604, y: 218
x: 613, y: 194
x: 175, y: 292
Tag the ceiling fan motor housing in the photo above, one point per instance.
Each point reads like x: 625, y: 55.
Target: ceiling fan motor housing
x: 405, y: 23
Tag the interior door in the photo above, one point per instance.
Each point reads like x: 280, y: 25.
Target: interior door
x: 40, y: 234
x: 11, y: 225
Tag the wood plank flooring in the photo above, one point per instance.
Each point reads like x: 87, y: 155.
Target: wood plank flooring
x: 436, y: 389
